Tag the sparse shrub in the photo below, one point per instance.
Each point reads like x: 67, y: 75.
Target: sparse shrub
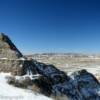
x: 10, y: 79
x: 22, y: 82
x: 60, y: 97
x: 25, y: 82
x: 36, y: 89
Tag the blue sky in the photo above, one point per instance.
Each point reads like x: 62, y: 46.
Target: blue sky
x: 52, y: 25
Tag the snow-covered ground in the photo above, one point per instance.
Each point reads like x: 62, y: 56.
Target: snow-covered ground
x: 94, y: 69
x: 8, y: 92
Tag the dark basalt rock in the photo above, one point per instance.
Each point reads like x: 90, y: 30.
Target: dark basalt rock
x: 82, y: 86
x: 44, y: 84
x: 51, y: 72
x: 29, y: 68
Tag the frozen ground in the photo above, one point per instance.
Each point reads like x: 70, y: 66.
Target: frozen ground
x: 8, y: 92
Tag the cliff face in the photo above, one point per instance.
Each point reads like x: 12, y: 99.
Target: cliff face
x: 8, y: 49
x: 10, y: 57
x: 12, y: 60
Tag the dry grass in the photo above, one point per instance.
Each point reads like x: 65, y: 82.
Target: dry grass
x: 22, y: 83
x: 60, y: 97
x: 36, y: 89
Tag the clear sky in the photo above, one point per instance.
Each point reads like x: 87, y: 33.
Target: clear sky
x: 52, y: 25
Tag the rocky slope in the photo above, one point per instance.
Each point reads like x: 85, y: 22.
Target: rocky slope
x: 7, y: 48
x: 11, y: 59
x: 80, y: 85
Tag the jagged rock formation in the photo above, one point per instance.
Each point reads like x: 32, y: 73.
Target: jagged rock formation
x: 7, y: 48
x: 80, y: 85
x: 10, y: 56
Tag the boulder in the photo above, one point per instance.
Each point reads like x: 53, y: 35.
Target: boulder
x: 81, y: 86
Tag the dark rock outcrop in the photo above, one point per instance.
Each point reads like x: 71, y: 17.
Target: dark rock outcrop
x: 44, y: 84
x: 82, y: 86
x: 28, y: 67
x: 55, y: 75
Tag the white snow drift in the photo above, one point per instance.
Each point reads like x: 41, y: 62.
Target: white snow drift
x: 8, y: 92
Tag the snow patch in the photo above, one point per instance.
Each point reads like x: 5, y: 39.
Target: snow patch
x: 12, y: 93
x: 32, y: 77
x: 3, y: 58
